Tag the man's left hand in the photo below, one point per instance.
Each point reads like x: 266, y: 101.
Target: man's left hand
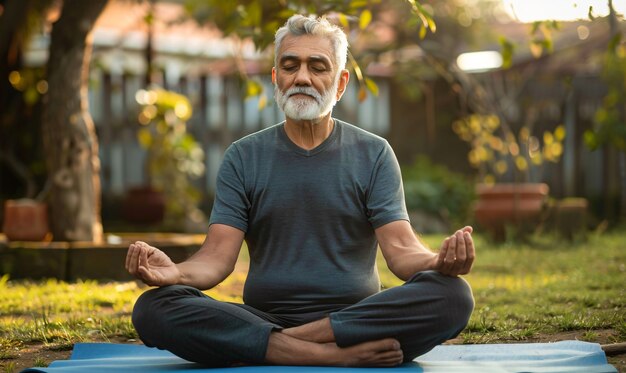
x: 457, y: 253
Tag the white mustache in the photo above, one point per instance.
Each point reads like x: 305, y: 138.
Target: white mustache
x: 304, y: 90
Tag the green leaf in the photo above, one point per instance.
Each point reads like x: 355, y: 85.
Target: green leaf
x: 535, y: 27
x: 506, y: 52
x: 431, y: 23
x: 372, y: 86
x: 365, y: 19
x: 343, y: 20
x: 422, y: 31
x: 144, y: 136
x: 554, y: 24
x: 285, y: 13
x: 423, y: 14
x: 614, y: 42
x: 253, y: 88
x: 591, y: 140
x: 356, y: 67
x: 254, y: 14
x: 358, y: 4
x: 31, y: 96
x: 545, y: 45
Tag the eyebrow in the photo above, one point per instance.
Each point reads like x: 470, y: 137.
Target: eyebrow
x: 313, y: 58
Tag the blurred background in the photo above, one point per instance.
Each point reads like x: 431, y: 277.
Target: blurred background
x: 115, y: 114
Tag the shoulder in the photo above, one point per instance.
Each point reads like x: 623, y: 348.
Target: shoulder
x: 351, y: 132
x: 253, y: 145
x: 352, y: 135
x: 259, y: 137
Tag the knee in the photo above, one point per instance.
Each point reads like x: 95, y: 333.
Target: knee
x: 143, y: 311
x: 462, y: 298
x: 455, y: 297
x: 149, y: 313
x: 459, y: 303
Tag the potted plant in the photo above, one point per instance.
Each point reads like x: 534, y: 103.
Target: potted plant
x: 508, y: 164
x: 173, y: 158
x: 25, y: 219
x: 24, y: 211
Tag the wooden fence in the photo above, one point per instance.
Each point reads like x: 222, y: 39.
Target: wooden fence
x: 220, y: 116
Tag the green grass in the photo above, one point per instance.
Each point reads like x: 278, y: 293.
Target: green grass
x: 549, y: 286
x: 523, y: 292
x: 527, y: 291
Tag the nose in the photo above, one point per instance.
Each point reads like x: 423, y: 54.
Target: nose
x: 303, y: 77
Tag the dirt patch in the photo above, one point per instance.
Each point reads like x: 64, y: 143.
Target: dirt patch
x: 30, y: 356
x: 601, y: 336
x: 42, y: 355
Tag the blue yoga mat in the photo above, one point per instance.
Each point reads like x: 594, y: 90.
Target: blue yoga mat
x: 565, y: 356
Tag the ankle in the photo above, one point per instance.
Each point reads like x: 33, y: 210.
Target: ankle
x: 319, y: 331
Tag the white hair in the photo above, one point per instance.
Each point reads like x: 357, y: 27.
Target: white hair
x: 299, y: 25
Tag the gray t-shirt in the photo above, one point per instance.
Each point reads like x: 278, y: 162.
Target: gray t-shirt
x: 309, y: 216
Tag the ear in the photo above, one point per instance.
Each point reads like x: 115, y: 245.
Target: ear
x: 273, y: 75
x: 344, y: 78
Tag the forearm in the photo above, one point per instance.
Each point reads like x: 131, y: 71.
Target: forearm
x: 406, y: 265
x: 215, y: 260
x: 198, y: 273
x: 404, y: 252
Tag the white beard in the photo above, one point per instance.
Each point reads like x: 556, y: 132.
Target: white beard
x: 306, y: 108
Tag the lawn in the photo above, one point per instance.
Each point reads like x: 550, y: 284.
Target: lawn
x: 545, y: 290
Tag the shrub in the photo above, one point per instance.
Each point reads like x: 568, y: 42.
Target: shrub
x: 436, y: 190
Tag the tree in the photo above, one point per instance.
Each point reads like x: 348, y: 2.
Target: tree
x: 70, y: 142
x: 259, y: 20
x: 610, y: 119
x: 20, y: 100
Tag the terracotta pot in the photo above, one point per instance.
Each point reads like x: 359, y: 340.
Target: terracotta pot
x: 25, y: 220
x: 144, y: 205
x: 502, y: 204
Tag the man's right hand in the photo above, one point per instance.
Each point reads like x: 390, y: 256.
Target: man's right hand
x: 151, y: 265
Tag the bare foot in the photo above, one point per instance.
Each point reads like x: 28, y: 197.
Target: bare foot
x: 382, y: 353
x: 287, y: 350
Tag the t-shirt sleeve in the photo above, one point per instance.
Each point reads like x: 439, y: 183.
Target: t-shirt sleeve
x: 385, y: 200
x: 231, y: 204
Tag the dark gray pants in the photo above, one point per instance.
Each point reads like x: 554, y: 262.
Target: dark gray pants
x: 427, y: 310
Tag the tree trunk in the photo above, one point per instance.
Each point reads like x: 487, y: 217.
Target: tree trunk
x: 70, y: 141
x: 14, y: 15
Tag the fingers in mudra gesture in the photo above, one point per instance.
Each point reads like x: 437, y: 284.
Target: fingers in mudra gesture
x: 150, y: 265
x: 457, y: 253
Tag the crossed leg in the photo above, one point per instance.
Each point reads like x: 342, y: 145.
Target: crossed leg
x: 197, y: 328
x: 313, y: 344
x: 384, y: 329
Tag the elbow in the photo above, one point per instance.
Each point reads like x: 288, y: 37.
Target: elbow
x: 399, y: 270
x: 223, y: 272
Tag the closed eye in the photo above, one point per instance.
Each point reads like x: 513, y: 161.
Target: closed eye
x: 318, y: 68
x: 290, y: 67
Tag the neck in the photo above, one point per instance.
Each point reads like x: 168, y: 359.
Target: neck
x: 309, y: 134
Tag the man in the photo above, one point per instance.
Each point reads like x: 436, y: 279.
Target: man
x: 313, y: 197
